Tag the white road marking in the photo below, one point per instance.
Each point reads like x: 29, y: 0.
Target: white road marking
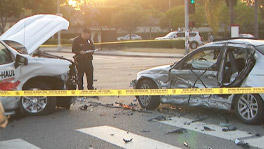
x: 17, y: 143
x: 230, y: 135
x: 115, y: 136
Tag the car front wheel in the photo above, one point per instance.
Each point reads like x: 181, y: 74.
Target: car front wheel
x: 249, y: 108
x: 193, y: 45
x: 146, y: 101
x: 38, y: 105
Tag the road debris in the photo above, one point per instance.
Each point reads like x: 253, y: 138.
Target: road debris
x: 116, y: 105
x: 83, y: 107
x: 177, y: 131
x: 207, y: 147
x: 127, y: 140
x: 158, y: 118
x: 186, y: 144
x: 198, y: 119
x: 229, y: 128
x: 241, y: 143
x: 207, y: 129
x: 145, y: 130
x: 224, y: 124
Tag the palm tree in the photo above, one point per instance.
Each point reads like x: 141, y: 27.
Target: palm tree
x: 256, y: 19
x: 231, y: 4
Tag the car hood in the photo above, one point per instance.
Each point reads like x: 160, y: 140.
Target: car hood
x: 163, y: 38
x: 33, y: 31
x: 157, y: 70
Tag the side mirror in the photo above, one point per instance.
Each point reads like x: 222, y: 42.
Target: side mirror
x: 20, y: 60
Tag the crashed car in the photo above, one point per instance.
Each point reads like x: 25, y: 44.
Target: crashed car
x: 28, y: 68
x: 222, y: 64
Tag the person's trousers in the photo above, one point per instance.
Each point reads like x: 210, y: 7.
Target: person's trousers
x: 85, y: 67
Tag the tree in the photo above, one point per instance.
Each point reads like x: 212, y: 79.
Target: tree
x: 9, y: 9
x: 231, y: 4
x: 175, y: 16
x: 256, y: 19
x: 128, y: 19
x: 211, y: 11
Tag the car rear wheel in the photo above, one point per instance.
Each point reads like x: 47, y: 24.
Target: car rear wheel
x: 193, y: 45
x: 249, y: 108
x: 37, y: 105
x: 148, y: 102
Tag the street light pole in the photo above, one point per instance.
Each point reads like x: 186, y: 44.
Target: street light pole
x: 59, y: 33
x: 186, y: 28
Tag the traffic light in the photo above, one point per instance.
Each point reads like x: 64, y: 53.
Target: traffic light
x: 191, y: 6
x: 192, y: 24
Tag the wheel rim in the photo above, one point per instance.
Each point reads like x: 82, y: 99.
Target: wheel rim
x: 34, y: 104
x: 145, y: 100
x: 248, y: 107
x: 194, y: 45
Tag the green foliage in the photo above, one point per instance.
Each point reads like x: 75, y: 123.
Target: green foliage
x: 175, y: 16
x: 8, y: 9
x: 244, y: 16
x: 128, y: 18
x: 211, y: 11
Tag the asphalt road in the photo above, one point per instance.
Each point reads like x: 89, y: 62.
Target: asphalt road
x: 106, y: 127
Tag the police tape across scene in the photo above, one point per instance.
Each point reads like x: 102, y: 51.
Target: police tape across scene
x: 135, y: 92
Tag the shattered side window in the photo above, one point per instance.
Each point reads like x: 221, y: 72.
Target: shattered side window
x: 205, y: 59
x: 5, y: 55
x: 260, y: 49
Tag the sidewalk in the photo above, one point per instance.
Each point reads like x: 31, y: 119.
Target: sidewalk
x: 117, y: 53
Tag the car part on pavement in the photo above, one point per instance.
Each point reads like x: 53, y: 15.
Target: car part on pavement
x: 177, y: 131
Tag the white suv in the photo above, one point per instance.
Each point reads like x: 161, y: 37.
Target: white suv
x: 195, y: 38
x: 32, y: 69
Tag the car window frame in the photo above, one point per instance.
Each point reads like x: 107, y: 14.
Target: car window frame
x: 179, y: 64
x: 10, y: 55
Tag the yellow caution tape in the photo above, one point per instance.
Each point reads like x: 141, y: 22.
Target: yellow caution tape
x: 135, y: 92
x: 114, y: 42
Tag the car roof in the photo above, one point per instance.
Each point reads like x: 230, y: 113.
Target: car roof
x: 241, y: 42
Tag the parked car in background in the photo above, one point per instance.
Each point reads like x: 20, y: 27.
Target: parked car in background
x: 195, y: 38
x: 127, y: 37
x: 223, y: 64
x: 247, y: 36
x: 28, y: 68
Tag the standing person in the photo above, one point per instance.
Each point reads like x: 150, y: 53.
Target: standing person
x: 210, y: 37
x: 82, y: 46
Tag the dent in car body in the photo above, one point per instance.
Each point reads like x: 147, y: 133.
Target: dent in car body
x: 168, y: 77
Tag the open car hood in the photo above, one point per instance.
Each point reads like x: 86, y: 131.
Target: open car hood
x: 33, y: 31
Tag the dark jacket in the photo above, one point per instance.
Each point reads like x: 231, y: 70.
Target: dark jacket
x: 82, y: 45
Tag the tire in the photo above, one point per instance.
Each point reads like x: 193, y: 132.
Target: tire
x: 43, y: 105
x: 148, y: 102
x: 64, y: 102
x: 193, y: 45
x: 249, y: 108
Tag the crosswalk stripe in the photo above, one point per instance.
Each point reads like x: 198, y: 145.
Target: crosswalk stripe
x: 217, y: 131
x: 17, y: 143
x: 115, y: 136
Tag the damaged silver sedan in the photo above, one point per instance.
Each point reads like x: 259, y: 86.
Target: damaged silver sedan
x: 231, y: 63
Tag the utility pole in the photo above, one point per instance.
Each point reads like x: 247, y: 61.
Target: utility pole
x: 170, y: 20
x: 186, y: 28
x: 256, y: 19
x: 59, y: 33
